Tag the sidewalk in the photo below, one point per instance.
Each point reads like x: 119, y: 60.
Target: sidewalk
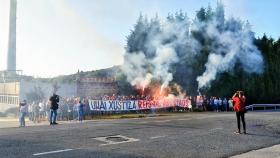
x: 13, y: 122
x: 270, y: 152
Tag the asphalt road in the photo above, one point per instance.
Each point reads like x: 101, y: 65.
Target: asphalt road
x: 181, y: 135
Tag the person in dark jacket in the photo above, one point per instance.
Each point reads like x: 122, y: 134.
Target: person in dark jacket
x: 54, y: 100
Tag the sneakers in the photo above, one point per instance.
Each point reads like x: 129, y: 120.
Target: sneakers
x: 53, y: 123
x: 237, y: 132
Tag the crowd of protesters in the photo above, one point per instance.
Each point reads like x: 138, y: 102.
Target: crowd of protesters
x: 217, y: 104
x: 75, y: 108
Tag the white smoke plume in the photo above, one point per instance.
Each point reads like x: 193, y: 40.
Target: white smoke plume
x: 234, y: 47
x: 160, y: 44
x: 141, y: 68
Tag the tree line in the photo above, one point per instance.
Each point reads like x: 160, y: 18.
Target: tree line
x: 259, y: 88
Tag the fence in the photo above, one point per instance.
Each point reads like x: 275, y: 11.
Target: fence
x: 254, y: 107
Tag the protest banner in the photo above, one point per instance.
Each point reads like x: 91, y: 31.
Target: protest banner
x: 127, y: 105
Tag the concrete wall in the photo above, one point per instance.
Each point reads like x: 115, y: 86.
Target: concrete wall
x: 11, y: 88
x: 96, y: 87
x: 65, y: 90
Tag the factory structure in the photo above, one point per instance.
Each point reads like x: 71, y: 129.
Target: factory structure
x: 10, y: 78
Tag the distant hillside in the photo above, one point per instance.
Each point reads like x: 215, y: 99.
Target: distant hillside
x: 109, y: 72
x: 124, y: 88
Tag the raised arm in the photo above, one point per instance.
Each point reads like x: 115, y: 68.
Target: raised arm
x: 234, y: 95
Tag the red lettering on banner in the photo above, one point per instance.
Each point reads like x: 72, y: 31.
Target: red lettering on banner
x: 148, y: 103
x: 142, y: 104
x: 156, y: 104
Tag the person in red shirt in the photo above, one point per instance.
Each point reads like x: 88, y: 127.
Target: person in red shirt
x: 239, y: 100
x: 113, y: 97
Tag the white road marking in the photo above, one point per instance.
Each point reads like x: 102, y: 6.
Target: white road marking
x: 184, y: 119
x: 52, y: 152
x: 162, y: 121
x: 155, y: 137
x: 109, y: 142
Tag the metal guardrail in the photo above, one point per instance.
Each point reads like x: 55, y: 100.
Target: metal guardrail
x: 263, y: 107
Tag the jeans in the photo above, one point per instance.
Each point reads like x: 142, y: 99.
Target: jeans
x: 22, y: 119
x: 31, y: 116
x: 53, y: 116
x: 242, y: 116
x: 153, y: 110
x: 81, y: 115
x: 216, y: 107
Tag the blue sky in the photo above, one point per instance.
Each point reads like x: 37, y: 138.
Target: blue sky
x: 57, y: 37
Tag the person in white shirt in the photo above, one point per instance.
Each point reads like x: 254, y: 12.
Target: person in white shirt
x: 30, y: 112
x: 36, y: 112
x: 230, y: 104
x: 216, y: 103
x: 41, y: 111
x: 189, y: 104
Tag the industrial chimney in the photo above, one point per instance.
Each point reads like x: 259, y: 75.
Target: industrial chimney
x: 11, y: 57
